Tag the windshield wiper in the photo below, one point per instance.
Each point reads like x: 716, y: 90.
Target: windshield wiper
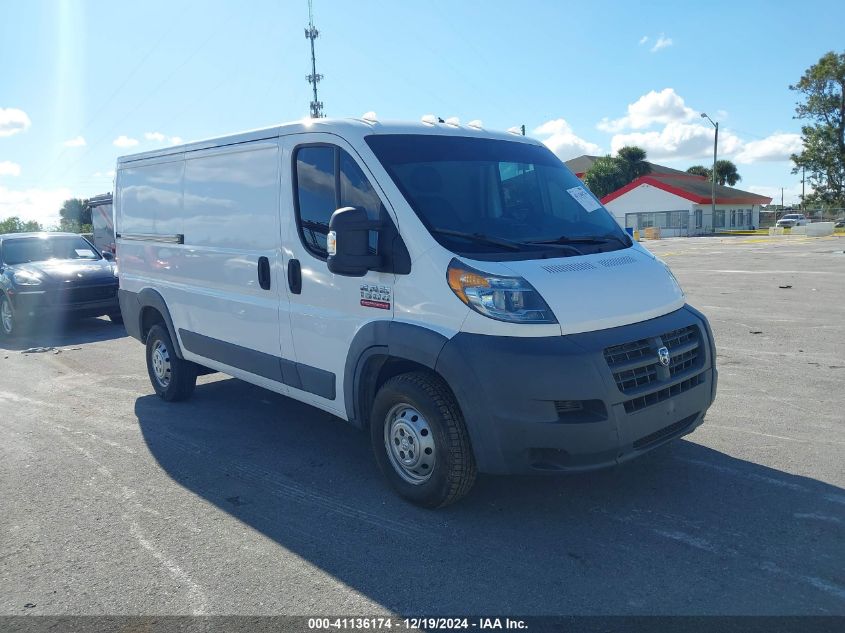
x: 603, y: 239
x: 480, y: 237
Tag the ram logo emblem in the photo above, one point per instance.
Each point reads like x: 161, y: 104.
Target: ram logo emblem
x: 663, y: 356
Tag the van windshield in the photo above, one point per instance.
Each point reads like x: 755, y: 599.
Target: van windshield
x: 496, y: 199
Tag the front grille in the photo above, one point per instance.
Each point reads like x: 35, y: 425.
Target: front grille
x: 86, y: 294
x: 636, y: 365
x: 666, y: 432
x: 633, y: 378
x: 649, y: 399
x: 628, y: 351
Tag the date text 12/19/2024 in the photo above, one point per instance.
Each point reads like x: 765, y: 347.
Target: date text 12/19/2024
x: 412, y: 624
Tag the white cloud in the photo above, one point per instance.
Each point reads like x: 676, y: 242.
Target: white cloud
x: 8, y: 168
x: 158, y: 137
x: 643, y: 39
x: 791, y: 195
x: 661, y: 43
x: 13, y: 121
x: 79, y: 141
x: 33, y: 204
x: 662, y: 107
x: 778, y: 146
x: 104, y: 174
x: 563, y: 141
x: 684, y: 135
x: 125, y: 141
x: 678, y: 141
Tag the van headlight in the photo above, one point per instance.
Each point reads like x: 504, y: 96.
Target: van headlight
x: 672, y: 275
x: 26, y: 278
x: 502, y: 298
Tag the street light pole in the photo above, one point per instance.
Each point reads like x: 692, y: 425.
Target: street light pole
x: 713, y: 175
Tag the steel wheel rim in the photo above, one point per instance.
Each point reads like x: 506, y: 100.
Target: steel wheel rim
x: 160, y: 360
x: 409, y: 443
x: 6, y: 316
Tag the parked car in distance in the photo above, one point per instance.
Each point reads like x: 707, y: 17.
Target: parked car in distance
x: 53, y: 274
x: 839, y: 223
x: 792, y: 219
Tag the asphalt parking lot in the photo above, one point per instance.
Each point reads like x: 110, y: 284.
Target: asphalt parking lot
x: 240, y: 501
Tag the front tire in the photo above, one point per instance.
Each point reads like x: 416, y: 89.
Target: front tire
x: 420, y: 440
x: 173, y: 378
x: 8, y: 320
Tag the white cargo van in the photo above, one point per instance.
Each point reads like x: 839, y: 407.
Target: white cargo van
x: 457, y: 292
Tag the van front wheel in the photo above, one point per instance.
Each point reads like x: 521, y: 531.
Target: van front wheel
x: 420, y: 440
x: 173, y: 378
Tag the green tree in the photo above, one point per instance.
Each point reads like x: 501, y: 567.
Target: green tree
x: 822, y: 105
x: 726, y: 173
x: 16, y: 225
x: 605, y: 176
x: 699, y: 170
x: 74, y: 214
x: 632, y: 160
x: 610, y: 173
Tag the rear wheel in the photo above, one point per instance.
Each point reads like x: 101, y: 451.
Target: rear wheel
x: 420, y: 440
x: 8, y: 322
x: 173, y: 378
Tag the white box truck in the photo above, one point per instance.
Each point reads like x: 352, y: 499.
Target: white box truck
x: 102, y: 223
x: 456, y: 292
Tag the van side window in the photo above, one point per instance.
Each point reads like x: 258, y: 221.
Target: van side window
x: 317, y: 195
x: 327, y: 179
x: 356, y: 191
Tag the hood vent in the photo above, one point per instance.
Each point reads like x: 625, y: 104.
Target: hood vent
x: 617, y: 261
x: 568, y: 268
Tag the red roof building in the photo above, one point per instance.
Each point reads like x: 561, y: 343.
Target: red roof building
x: 677, y: 202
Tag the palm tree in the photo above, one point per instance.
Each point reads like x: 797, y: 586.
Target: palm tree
x: 699, y: 170
x: 632, y: 160
x: 605, y: 176
x: 726, y: 173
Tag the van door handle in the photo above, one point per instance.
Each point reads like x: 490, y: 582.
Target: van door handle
x: 295, y: 276
x: 264, y: 273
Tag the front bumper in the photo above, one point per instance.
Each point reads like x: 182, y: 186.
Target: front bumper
x: 555, y: 404
x: 79, y: 301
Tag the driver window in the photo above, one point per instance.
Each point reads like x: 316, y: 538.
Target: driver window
x: 328, y: 178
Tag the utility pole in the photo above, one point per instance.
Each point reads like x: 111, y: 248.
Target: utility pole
x: 802, y: 189
x: 311, y: 33
x: 713, y: 175
x: 522, y: 127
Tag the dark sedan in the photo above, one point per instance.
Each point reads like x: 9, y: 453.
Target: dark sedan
x: 53, y: 274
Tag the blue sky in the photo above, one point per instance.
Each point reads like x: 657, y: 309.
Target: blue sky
x: 84, y: 81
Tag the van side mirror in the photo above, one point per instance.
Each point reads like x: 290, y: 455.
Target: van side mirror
x: 348, y: 242
x: 109, y: 257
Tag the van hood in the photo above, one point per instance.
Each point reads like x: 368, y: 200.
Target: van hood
x: 603, y: 290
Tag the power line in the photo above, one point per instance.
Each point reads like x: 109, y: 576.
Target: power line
x: 311, y: 33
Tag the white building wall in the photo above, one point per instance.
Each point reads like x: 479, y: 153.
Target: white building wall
x: 647, y: 198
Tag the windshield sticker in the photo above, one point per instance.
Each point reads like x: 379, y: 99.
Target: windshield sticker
x: 583, y: 197
x: 375, y: 296
x: 84, y: 252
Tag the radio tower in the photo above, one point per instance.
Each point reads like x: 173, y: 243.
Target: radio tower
x: 314, y: 78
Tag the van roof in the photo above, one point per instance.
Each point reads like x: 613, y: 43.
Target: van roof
x: 352, y: 127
